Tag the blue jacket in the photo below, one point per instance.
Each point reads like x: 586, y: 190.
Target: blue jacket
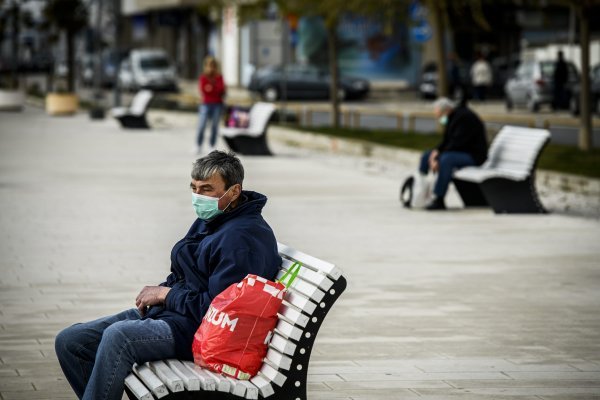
x: 211, y: 257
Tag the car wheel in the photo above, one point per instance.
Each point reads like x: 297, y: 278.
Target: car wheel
x: 341, y: 94
x: 270, y: 94
x: 574, y: 106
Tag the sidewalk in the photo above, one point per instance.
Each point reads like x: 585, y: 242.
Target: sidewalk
x: 460, y: 304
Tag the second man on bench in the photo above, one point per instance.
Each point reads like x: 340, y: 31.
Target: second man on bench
x: 464, y: 144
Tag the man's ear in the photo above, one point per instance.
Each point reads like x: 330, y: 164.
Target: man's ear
x: 237, y: 190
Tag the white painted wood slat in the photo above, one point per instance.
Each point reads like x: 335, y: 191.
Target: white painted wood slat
x: 169, y: 378
x: 207, y: 382
x: 283, y: 345
x: 264, y: 386
x: 138, y: 389
x: 190, y: 380
x: 152, y: 382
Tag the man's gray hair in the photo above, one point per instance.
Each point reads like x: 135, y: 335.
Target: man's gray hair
x: 225, y: 164
x: 444, y: 104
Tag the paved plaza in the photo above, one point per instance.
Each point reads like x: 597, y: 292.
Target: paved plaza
x: 460, y: 304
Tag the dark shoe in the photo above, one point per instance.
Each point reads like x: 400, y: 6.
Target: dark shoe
x: 436, y: 204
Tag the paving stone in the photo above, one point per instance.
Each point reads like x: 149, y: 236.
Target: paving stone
x: 461, y: 304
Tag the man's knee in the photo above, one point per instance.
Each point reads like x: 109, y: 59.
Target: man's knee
x: 67, y: 340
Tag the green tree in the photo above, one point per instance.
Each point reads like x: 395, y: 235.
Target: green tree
x: 70, y: 16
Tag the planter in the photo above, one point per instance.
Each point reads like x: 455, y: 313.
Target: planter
x: 11, y: 100
x: 61, y: 103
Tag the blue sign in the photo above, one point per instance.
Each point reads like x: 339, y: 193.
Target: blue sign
x: 421, y: 33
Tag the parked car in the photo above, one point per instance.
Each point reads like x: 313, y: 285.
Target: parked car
x: 594, y: 93
x: 531, y: 86
x: 87, y: 70
x: 304, y: 82
x: 147, y: 69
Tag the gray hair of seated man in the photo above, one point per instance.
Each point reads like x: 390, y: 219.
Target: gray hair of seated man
x: 225, y: 164
x: 443, y: 104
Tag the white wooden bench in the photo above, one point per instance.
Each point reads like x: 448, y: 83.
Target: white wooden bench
x: 506, y: 181
x: 134, y: 116
x: 253, y: 139
x: 284, y: 370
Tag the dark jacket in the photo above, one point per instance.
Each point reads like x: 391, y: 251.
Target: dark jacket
x: 209, y: 259
x: 465, y: 132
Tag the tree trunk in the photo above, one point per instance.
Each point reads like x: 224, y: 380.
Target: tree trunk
x: 70, y: 61
x: 333, y: 72
x: 16, y: 20
x: 585, y: 131
x: 440, y: 51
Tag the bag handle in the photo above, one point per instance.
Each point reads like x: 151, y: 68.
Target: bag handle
x: 290, y: 275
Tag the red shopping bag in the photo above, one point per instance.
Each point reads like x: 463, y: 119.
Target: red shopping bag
x: 235, y: 332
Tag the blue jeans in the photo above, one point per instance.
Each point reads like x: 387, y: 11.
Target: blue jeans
x: 448, y: 161
x: 97, y: 356
x: 212, y: 112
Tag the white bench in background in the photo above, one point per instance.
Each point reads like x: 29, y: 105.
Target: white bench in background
x: 253, y: 139
x: 284, y: 370
x: 134, y: 116
x: 506, y: 181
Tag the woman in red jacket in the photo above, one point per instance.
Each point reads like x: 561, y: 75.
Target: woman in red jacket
x: 212, y: 89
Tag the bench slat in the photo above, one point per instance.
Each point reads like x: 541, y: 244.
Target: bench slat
x: 289, y: 330
x: 317, y: 278
x: 190, y: 380
x: 307, y: 290
x: 138, y: 389
x: 310, y: 261
x: 283, y: 345
x: 222, y: 383
x: 207, y: 382
x: 272, y: 374
x: 293, y: 315
x: 264, y: 386
x: 299, y: 301
x: 235, y: 387
x: 162, y: 370
x: 280, y: 360
x: 152, y: 382
x: 251, y: 390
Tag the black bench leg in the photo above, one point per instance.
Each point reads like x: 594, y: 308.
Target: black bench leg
x: 250, y: 146
x: 470, y: 193
x: 135, y: 122
x: 507, y: 196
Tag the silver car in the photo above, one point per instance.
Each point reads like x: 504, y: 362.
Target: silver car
x: 531, y: 86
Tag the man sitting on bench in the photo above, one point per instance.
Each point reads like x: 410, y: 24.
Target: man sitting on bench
x: 227, y: 241
x: 464, y: 144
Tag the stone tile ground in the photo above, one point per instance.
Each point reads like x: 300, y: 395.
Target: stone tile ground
x: 461, y: 304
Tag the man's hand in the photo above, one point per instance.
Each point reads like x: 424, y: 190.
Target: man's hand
x: 150, y: 296
x: 433, y: 161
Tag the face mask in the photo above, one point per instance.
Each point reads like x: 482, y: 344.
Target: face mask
x: 443, y: 120
x: 207, y: 207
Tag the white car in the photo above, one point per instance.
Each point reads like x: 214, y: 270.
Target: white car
x: 147, y: 69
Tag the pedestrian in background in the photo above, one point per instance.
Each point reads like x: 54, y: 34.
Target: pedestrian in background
x: 481, y: 77
x: 559, y: 81
x: 212, y: 90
